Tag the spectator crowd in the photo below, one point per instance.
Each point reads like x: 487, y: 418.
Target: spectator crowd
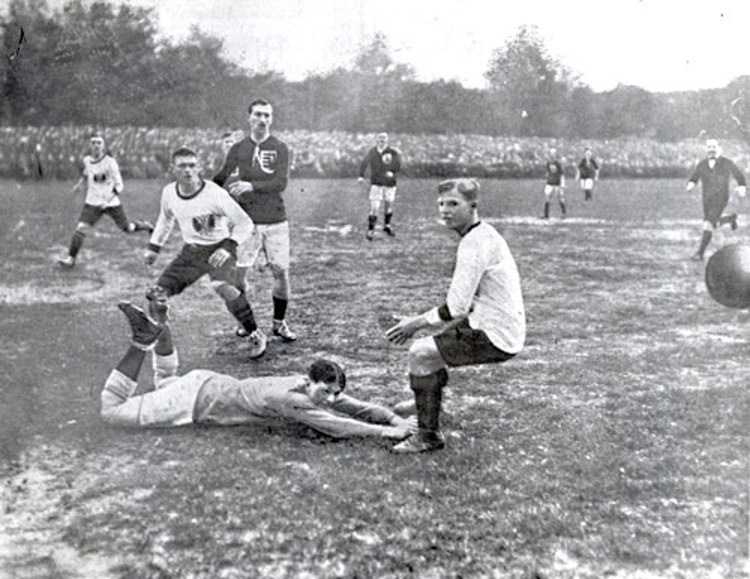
x: 143, y: 153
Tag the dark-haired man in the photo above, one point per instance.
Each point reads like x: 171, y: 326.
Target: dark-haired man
x: 714, y: 172
x: 316, y: 400
x: 263, y: 163
x: 212, y: 225
x: 385, y: 163
x: 482, y: 319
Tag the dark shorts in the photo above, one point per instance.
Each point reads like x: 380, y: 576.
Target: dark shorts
x: 191, y: 264
x: 713, y: 208
x: 90, y: 214
x: 462, y: 345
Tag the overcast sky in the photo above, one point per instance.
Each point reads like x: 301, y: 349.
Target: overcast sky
x: 659, y: 45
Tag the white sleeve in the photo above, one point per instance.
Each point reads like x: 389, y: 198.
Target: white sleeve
x: 239, y: 222
x: 470, y: 265
x: 164, y: 224
x: 118, y: 185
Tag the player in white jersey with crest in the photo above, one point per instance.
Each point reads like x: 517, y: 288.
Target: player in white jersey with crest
x: 104, y: 186
x: 212, y: 225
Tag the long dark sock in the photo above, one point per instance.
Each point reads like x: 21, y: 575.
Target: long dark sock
x: 546, y: 210
x: 76, y: 242
x: 240, y: 309
x: 164, y: 345
x: 279, y: 308
x: 388, y: 217
x: 562, y: 208
x: 371, y: 221
x: 428, y: 395
x: 705, y: 240
x: 131, y: 362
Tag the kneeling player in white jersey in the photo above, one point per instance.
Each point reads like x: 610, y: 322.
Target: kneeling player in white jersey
x: 206, y: 397
x: 212, y: 226
x: 104, y: 186
x: 484, y: 312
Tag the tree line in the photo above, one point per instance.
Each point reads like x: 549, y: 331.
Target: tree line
x: 96, y: 63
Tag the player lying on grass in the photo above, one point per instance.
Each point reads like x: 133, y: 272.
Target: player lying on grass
x: 484, y: 312
x: 206, y: 397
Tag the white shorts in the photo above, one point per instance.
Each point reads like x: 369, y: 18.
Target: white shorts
x: 550, y: 190
x: 382, y: 193
x: 270, y: 238
x: 587, y: 184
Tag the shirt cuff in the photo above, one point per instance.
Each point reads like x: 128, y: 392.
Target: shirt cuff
x: 433, y: 317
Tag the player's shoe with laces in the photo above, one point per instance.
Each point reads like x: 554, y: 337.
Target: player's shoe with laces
x: 420, y: 442
x: 145, y: 330
x: 389, y: 231
x: 257, y: 343
x: 66, y: 262
x: 281, y: 329
x: 143, y: 226
x: 370, y: 234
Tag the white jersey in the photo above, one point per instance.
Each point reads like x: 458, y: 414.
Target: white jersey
x: 486, y: 287
x: 206, y: 217
x: 104, y: 181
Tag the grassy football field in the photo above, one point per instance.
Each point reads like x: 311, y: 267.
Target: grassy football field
x: 615, y: 445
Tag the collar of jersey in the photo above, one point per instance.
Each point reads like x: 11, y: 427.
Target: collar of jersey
x: 181, y: 196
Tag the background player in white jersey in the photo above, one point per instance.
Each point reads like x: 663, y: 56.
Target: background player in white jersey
x: 206, y: 397
x: 104, y: 185
x: 384, y: 163
x: 212, y: 225
x: 484, y: 311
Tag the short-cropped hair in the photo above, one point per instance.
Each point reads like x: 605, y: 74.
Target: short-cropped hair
x: 183, y: 152
x: 256, y: 102
x: 328, y: 371
x: 468, y: 188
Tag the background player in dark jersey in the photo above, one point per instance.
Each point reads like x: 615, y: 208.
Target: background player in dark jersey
x: 588, y: 172
x: 555, y: 184
x: 263, y: 163
x: 714, y: 173
x: 384, y: 163
x: 104, y: 185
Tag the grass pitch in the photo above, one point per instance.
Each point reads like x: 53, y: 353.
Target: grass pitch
x: 615, y: 445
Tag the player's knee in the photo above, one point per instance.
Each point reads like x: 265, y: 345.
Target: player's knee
x: 424, y: 357
x: 129, y: 227
x: 708, y: 226
x: 82, y: 227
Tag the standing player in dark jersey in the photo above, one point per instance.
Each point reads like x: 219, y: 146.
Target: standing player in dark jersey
x: 555, y: 184
x: 714, y: 173
x: 104, y: 186
x: 263, y: 163
x: 384, y: 163
x: 588, y: 172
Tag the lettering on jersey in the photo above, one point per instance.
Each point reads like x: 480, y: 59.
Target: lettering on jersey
x: 387, y: 158
x: 99, y: 177
x: 266, y: 160
x: 204, y: 223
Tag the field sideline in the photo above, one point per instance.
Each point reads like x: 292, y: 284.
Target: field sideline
x: 615, y: 445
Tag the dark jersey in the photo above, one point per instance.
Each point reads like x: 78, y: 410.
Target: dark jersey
x: 587, y: 168
x: 715, y: 181
x: 554, y: 173
x: 266, y: 166
x: 380, y: 162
